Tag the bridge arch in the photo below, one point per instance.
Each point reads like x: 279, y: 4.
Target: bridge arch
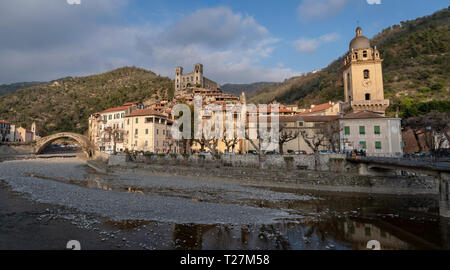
x: 84, y: 142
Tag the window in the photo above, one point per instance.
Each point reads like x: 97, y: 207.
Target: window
x: 367, y: 231
x: 137, y: 120
x: 135, y: 143
x: 362, y: 130
x: 110, y: 117
x: 146, y: 143
x: 363, y: 145
x: 157, y: 131
x: 366, y: 74
x: 146, y: 131
x: 377, y: 130
x: 364, y: 54
x: 378, y: 145
x: 347, y: 130
x: 128, y: 121
x: 136, y: 132
x: 367, y: 96
x: 122, y: 115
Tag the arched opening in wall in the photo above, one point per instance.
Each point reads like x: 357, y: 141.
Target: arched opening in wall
x: 367, y: 96
x: 62, y: 146
x: 366, y: 74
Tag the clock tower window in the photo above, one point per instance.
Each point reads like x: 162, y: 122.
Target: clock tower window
x: 366, y: 74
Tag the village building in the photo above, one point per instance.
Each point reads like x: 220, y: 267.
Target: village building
x: 149, y: 131
x: 329, y: 108
x: 107, y: 128
x: 372, y: 133
x: 5, y: 131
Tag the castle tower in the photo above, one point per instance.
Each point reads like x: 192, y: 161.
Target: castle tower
x: 198, y: 74
x: 178, y: 76
x: 363, y: 77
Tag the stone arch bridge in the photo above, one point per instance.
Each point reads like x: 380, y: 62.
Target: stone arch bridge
x: 84, y: 142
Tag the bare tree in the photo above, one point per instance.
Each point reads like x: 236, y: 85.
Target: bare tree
x: 230, y: 143
x: 112, y: 135
x: 432, y: 127
x: 315, y: 137
x: 287, y: 134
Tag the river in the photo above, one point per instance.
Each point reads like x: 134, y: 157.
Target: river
x: 46, y: 203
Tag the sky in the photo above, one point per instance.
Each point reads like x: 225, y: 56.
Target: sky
x: 237, y: 41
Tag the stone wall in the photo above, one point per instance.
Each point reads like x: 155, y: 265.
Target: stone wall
x: 335, y: 163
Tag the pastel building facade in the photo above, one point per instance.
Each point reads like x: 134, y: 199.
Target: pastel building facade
x: 149, y: 131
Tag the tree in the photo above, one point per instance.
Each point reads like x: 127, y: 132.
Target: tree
x: 230, y: 143
x: 321, y: 134
x: 433, y: 127
x: 286, y: 135
x: 112, y: 135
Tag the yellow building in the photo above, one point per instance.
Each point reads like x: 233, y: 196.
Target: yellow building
x: 149, y: 131
x: 363, y: 77
x: 365, y: 127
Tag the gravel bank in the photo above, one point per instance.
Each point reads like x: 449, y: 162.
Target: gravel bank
x: 124, y: 206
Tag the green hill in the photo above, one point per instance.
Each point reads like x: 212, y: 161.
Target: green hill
x: 65, y: 105
x: 416, y: 68
x: 11, y: 88
x: 248, y: 89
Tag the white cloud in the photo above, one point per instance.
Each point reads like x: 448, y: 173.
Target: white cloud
x: 374, y: 2
x: 308, y: 45
x: 310, y: 10
x: 51, y: 40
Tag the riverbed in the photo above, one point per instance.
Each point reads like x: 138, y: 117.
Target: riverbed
x: 45, y: 203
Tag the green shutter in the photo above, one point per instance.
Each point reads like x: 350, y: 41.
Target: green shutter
x: 377, y: 130
x: 363, y: 144
x: 377, y: 145
x: 362, y: 130
x: 347, y: 130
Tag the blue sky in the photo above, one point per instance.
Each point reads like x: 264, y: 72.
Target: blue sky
x: 237, y: 41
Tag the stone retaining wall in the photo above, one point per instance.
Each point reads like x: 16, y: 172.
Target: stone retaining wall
x: 301, y: 162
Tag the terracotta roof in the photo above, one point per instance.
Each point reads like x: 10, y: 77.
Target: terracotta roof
x: 320, y: 118
x: 146, y: 112
x: 362, y: 115
x: 130, y: 103
x: 318, y: 108
x: 289, y: 118
x: 4, y: 122
x: 116, y: 109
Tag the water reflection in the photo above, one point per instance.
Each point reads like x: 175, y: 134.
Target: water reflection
x: 335, y: 221
x: 323, y: 234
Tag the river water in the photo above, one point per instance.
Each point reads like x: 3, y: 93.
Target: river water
x: 316, y: 220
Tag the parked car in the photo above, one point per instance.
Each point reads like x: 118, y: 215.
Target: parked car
x: 229, y: 153
x: 270, y: 153
x: 205, y: 154
x: 326, y: 152
x: 300, y: 152
x: 252, y: 152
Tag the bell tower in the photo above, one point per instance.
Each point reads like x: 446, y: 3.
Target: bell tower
x: 363, y: 77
